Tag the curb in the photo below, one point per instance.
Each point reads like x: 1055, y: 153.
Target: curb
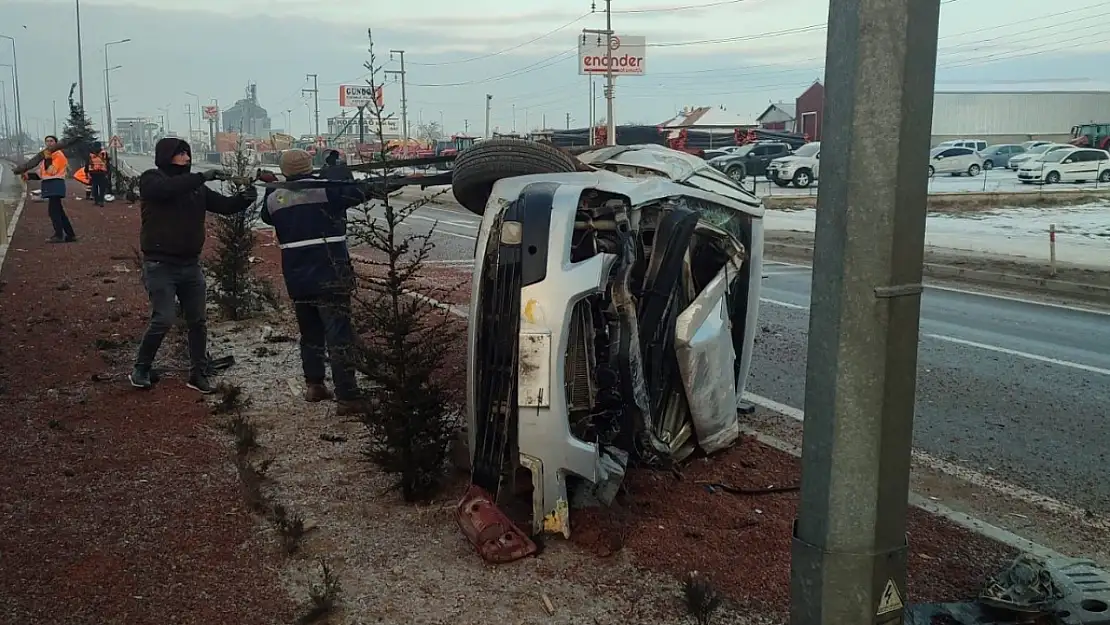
x: 1090, y: 292
x: 5, y: 241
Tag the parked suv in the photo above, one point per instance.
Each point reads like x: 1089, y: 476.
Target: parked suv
x: 800, y: 168
x: 1074, y: 165
x: 1000, y: 155
x: 955, y: 161
x: 751, y: 159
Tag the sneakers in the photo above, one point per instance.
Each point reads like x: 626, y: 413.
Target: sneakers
x: 317, y: 391
x: 140, y: 378
x: 201, y: 383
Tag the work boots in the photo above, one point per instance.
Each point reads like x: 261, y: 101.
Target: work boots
x: 316, y: 392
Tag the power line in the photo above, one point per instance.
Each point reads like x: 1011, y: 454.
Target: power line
x: 527, y: 69
x: 510, y: 49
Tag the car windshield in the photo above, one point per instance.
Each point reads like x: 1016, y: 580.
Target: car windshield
x: 1040, y: 149
x: 1056, y: 156
x: 742, y: 150
x: 809, y: 149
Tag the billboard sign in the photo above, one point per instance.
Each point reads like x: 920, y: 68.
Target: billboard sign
x: 354, y: 96
x: 212, y: 113
x: 628, y: 55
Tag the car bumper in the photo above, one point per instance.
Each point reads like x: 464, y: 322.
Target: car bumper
x: 1030, y: 176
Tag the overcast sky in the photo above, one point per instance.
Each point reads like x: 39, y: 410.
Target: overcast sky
x: 740, y: 55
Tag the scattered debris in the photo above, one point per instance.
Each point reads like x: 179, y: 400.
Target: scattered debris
x: 333, y: 438
x: 728, y: 488
x: 547, y: 605
x: 270, y: 335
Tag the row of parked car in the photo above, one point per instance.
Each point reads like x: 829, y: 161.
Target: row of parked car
x: 1036, y: 162
x: 776, y: 160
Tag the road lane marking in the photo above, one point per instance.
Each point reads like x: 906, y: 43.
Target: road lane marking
x: 984, y: 346
x: 1020, y: 354
x: 970, y: 476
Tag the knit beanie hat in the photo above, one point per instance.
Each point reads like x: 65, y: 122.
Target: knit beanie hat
x: 296, y: 163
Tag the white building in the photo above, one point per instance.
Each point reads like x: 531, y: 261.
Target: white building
x: 1015, y: 116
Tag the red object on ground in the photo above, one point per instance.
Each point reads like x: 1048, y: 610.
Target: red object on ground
x: 497, y: 539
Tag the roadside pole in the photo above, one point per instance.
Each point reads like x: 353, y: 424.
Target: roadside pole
x: 849, y: 548
x: 489, y: 104
x: 611, y: 131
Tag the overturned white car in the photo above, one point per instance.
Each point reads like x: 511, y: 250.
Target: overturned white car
x: 612, y: 320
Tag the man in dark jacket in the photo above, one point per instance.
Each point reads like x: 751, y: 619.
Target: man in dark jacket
x: 174, y: 203
x: 309, y: 216
x: 333, y: 169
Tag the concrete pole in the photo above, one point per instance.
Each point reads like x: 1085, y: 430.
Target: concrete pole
x: 849, y: 547
x: 611, y: 131
x: 489, y: 104
x: 80, y: 62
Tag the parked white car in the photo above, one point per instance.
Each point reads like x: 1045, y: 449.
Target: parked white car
x: 975, y: 144
x: 1035, y: 153
x: 1070, y: 165
x: 800, y: 168
x: 955, y: 161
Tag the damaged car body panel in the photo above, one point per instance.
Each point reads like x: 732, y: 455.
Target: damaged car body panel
x: 612, y: 319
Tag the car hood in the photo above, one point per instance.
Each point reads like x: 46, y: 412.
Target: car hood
x: 791, y: 160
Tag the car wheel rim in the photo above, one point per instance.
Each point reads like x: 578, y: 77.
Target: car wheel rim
x: 736, y: 174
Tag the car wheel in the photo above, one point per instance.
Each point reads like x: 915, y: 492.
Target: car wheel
x: 479, y: 167
x: 1053, y: 177
x: 802, y: 179
x: 974, y: 170
x: 782, y: 183
x: 1104, y: 176
x: 737, y: 173
x: 932, y: 171
x: 988, y: 165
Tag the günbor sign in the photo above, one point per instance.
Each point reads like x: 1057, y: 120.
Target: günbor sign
x: 628, y: 55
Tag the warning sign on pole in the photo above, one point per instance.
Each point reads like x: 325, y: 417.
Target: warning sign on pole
x: 115, y: 142
x: 891, y: 601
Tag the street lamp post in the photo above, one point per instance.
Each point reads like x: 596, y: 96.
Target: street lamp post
x: 80, y: 62
x: 18, y: 107
x: 198, y: 112
x: 108, y: 84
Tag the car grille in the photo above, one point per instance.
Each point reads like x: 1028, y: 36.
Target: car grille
x: 497, y: 339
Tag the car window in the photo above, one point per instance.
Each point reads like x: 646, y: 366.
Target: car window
x: 1055, y: 157
x: 809, y: 150
x: 960, y: 151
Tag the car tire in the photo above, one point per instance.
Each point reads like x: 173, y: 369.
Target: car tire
x: 479, y: 167
x: 1104, y: 176
x: 1053, y: 177
x: 974, y: 170
x: 782, y: 183
x: 932, y: 171
x: 737, y: 173
x: 988, y: 165
x: 802, y: 178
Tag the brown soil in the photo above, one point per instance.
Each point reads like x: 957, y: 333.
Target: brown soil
x: 742, y: 542
x: 116, y: 506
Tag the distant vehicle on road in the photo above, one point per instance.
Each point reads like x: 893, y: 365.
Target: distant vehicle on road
x: 1091, y: 136
x: 999, y: 155
x: 1033, y: 154
x: 975, y: 144
x: 954, y: 160
x: 1067, y: 165
x: 800, y: 168
x: 751, y: 159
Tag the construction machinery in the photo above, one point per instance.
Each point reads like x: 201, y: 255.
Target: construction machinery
x: 1094, y: 135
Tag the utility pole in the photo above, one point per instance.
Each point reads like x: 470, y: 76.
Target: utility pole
x: 593, y: 116
x: 611, y: 131
x: 80, y: 62
x: 489, y: 103
x: 466, y: 127
x: 514, y: 118
x: 404, y: 96
x: 189, y: 114
x: 315, y: 91
x: 54, y: 106
x: 568, y: 121
x: 849, y: 546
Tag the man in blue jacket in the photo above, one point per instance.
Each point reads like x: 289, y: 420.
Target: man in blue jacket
x: 309, y: 216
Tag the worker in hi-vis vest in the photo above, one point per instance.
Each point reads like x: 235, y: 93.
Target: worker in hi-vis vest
x: 52, y: 172
x: 98, y: 172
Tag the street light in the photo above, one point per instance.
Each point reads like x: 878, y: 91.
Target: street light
x: 108, y: 84
x: 199, y: 119
x: 18, y: 107
x: 80, y: 62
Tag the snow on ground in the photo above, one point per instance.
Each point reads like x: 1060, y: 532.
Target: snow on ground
x: 1083, y: 231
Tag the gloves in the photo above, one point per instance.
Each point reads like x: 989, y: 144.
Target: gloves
x: 250, y: 194
x: 210, y: 175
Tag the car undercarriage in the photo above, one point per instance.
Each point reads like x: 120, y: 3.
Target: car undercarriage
x: 612, y: 322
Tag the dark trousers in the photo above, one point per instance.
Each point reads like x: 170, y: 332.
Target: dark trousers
x: 165, y: 284
x: 99, y: 186
x: 325, y: 325
x: 59, y: 219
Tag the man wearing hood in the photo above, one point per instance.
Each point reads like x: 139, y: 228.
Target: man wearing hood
x: 174, y: 203
x: 335, y: 170
x: 309, y: 216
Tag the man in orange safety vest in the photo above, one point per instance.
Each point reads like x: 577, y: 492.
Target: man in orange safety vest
x: 52, y: 173
x: 98, y: 172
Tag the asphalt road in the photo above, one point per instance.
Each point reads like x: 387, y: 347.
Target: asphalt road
x: 1017, y: 390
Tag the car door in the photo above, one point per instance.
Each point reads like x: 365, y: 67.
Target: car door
x: 1085, y: 166
x: 953, y: 160
x: 761, y: 157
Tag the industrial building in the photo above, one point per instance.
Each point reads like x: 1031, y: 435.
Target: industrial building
x: 1015, y: 116
x: 247, y: 116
